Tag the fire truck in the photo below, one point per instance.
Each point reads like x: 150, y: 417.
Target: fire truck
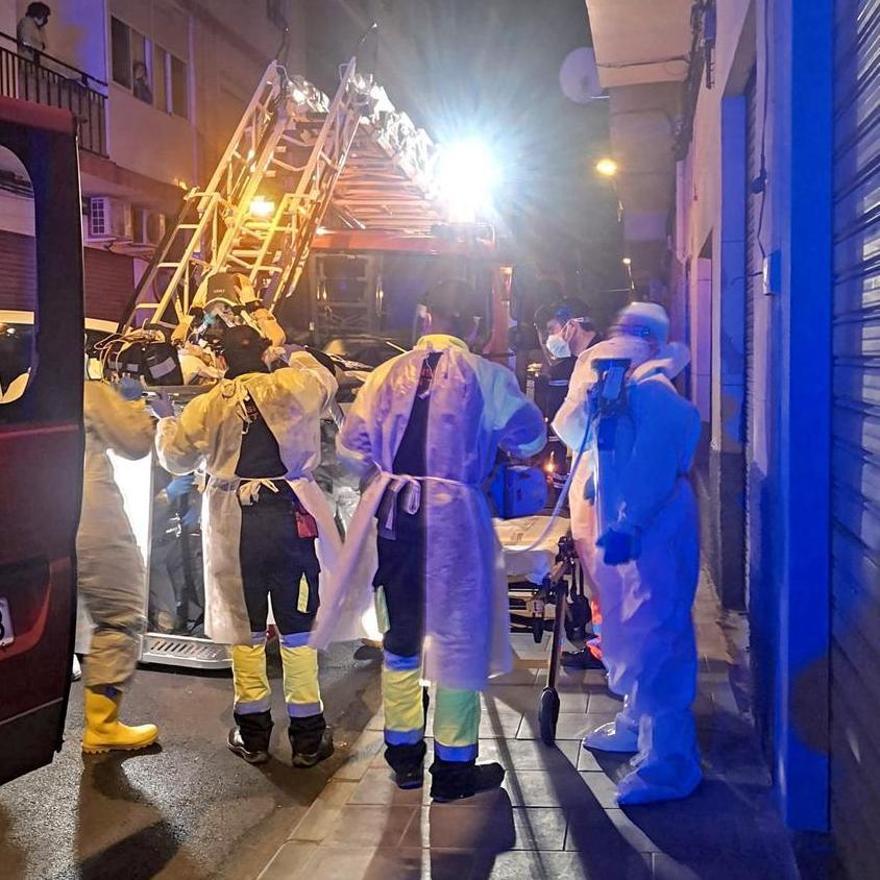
x: 329, y: 212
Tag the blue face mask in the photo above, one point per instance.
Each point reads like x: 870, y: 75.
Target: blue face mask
x: 558, y: 346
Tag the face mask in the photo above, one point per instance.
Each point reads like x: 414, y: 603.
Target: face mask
x: 558, y: 346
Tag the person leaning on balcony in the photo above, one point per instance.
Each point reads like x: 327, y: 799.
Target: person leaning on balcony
x: 31, y: 30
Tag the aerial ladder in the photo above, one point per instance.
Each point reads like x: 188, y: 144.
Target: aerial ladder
x: 266, y: 199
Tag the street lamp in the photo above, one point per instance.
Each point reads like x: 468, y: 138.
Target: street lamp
x: 606, y: 167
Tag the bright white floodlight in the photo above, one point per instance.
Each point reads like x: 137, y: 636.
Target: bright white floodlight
x: 467, y: 175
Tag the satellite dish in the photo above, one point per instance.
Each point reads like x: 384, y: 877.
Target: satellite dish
x: 579, y: 76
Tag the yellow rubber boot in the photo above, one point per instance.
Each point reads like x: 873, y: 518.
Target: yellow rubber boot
x: 105, y: 732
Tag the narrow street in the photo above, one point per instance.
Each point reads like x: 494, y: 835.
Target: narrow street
x: 191, y: 810
x: 364, y: 346
x: 556, y: 815
x: 188, y: 810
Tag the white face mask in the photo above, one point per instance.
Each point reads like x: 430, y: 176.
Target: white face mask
x: 558, y: 346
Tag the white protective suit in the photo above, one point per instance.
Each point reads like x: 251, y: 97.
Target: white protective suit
x: 647, y: 631
x: 476, y: 407
x: 292, y: 401
x: 110, y: 572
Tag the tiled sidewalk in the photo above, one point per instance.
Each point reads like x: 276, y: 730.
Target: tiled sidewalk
x: 556, y: 816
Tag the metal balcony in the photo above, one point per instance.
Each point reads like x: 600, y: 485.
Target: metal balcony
x: 34, y: 76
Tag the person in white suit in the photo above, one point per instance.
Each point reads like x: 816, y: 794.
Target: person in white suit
x: 424, y: 432
x: 646, y: 563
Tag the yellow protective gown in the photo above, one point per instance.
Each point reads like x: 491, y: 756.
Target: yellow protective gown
x: 110, y: 570
x: 476, y: 407
x: 292, y: 401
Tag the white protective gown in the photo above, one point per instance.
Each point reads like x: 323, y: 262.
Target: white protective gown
x: 110, y: 571
x: 647, y: 632
x: 476, y: 407
x: 292, y: 401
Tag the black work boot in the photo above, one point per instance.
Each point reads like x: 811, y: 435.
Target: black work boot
x: 583, y: 659
x: 311, y: 741
x: 454, y: 780
x: 249, y: 739
x: 408, y: 764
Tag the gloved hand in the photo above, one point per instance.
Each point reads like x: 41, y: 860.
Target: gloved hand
x: 161, y: 406
x: 180, y: 486
x: 130, y: 388
x: 620, y: 547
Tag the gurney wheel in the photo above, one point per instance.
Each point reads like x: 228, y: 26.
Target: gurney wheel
x: 548, y: 715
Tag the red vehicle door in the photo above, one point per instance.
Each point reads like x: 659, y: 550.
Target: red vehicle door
x: 41, y: 450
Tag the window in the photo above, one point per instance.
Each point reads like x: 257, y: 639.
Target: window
x: 178, y: 88
x: 140, y: 68
x: 131, y: 60
x: 120, y: 47
x: 18, y: 281
x: 151, y: 73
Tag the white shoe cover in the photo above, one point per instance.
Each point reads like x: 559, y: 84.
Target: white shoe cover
x: 612, y: 737
x: 653, y: 783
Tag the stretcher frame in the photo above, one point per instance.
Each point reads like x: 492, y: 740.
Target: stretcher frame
x: 557, y: 591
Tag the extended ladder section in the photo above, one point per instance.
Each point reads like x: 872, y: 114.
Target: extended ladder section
x: 293, y: 149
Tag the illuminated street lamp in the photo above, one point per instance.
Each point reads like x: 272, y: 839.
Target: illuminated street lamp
x: 626, y: 261
x: 606, y: 167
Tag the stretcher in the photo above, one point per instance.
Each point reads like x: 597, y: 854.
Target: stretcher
x: 546, y: 590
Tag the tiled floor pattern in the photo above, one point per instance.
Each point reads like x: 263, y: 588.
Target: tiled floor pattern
x: 556, y: 816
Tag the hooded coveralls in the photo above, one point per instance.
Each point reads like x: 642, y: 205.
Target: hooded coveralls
x: 647, y: 636
x: 427, y: 425
x: 258, y: 436
x: 109, y: 566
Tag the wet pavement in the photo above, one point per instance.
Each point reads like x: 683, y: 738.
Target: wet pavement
x: 192, y: 810
x: 187, y: 810
x: 556, y: 816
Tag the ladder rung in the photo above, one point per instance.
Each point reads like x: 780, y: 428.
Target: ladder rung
x: 168, y: 265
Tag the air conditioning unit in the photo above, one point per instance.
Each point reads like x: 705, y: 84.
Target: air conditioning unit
x: 109, y: 219
x: 148, y: 227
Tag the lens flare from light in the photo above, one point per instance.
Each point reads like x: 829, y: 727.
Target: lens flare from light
x: 467, y: 176
x: 261, y: 207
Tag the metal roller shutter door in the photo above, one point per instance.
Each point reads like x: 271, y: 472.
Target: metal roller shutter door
x: 855, y: 466
x: 109, y: 283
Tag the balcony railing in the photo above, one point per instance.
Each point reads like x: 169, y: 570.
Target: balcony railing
x: 34, y: 76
